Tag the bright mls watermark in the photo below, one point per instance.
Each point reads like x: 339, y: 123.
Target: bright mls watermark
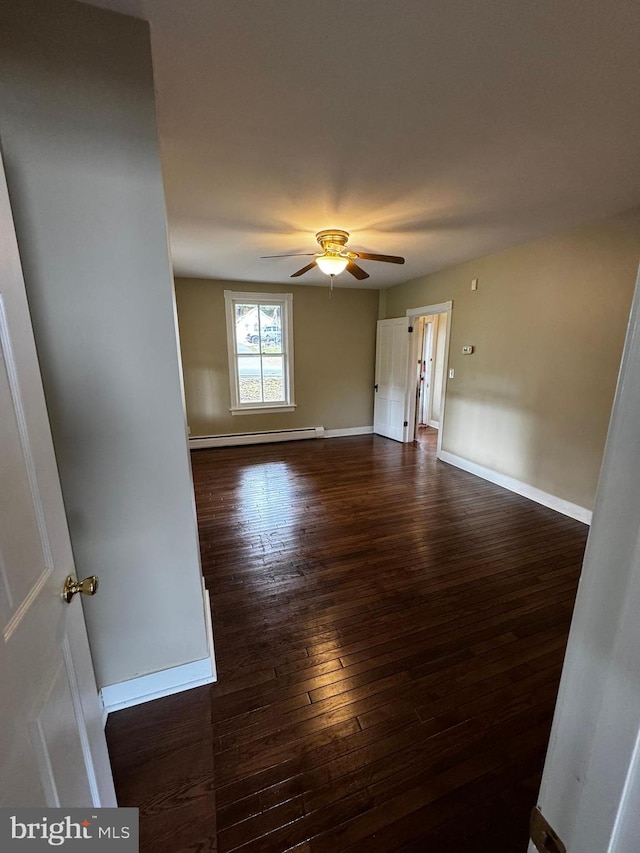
x: 69, y: 829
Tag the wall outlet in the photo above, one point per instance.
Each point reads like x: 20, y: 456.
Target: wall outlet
x: 474, y: 284
x: 467, y: 350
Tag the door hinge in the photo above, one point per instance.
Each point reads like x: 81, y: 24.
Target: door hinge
x: 544, y: 837
x: 410, y: 329
x: 406, y: 423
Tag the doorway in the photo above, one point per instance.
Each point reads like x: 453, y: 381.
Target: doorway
x: 431, y: 331
x: 424, y: 391
x: 399, y: 358
x: 428, y: 361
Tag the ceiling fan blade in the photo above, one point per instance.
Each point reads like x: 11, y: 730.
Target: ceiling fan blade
x: 295, y: 255
x: 388, y: 259
x: 356, y: 271
x: 304, y: 269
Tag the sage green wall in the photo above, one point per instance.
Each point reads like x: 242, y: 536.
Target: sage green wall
x: 547, y: 322
x: 334, y: 357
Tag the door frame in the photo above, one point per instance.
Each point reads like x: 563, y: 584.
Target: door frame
x: 414, y: 314
x: 591, y: 777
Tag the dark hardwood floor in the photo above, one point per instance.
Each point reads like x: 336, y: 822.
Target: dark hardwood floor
x: 162, y: 758
x: 427, y: 436
x: 389, y: 635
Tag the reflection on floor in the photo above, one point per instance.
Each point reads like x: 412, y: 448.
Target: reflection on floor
x: 427, y: 437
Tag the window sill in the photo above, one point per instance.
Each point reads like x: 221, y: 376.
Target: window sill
x: 261, y: 410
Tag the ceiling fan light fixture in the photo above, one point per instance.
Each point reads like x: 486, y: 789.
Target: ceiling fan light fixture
x: 332, y: 264
x: 335, y: 257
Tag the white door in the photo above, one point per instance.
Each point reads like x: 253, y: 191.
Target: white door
x: 52, y: 746
x: 392, y: 377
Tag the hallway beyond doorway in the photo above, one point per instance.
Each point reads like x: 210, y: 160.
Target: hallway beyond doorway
x: 427, y: 438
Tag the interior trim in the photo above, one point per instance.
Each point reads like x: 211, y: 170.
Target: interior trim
x: 580, y: 513
x: 341, y: 433
x: 166, y: 682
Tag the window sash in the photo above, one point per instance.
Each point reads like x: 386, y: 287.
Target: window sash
x: 265, y: 357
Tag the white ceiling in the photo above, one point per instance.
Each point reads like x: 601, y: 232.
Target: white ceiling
x: 440, y: 130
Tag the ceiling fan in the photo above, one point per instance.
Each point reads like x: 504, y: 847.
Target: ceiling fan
x: 335, y: 257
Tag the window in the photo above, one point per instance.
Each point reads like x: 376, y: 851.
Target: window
x: 260, y: 343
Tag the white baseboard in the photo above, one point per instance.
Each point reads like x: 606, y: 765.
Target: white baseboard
x: 340, y: 433
x: 580, y: 513
x: 233, y: 439
x: 126, y: 694
x: 267, y: 437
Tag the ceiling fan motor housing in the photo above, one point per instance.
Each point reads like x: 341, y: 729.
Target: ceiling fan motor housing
x: 332, y: 240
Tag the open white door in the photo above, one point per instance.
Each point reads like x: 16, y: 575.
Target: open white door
x: 392, y: 376
x: 591, y: 781
x: 52, y: 747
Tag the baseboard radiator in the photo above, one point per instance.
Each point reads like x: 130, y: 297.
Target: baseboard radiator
x: 268, y: 437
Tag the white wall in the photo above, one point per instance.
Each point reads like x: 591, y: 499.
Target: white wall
x: 77, y: 122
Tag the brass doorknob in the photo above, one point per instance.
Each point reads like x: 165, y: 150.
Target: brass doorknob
x: 89, y: 586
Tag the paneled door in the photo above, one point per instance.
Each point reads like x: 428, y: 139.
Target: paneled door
x: 391, y: 378
x: 52, y: 746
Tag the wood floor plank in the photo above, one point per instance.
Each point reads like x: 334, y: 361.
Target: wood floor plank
x: 389, y: 638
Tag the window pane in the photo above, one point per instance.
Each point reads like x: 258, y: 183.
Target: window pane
x: 247, y: 328
x: 271, y: 328
x: 273, y: 377
x: 249, y: 379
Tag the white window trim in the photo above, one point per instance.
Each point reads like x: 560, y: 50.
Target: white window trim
x: 286, y: 300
